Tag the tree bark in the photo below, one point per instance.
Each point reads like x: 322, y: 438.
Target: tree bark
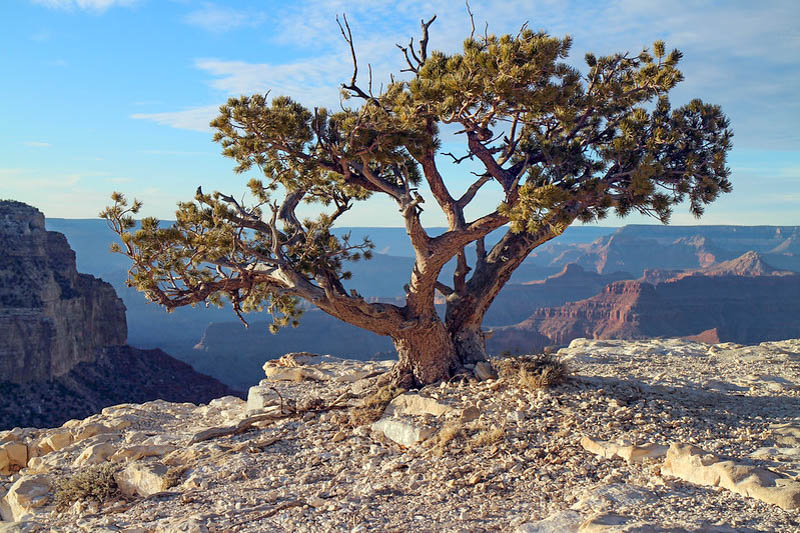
x: 470, y: 343
x: 426, y: 354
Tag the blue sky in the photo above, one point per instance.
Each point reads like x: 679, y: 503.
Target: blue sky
x: 103, y: 95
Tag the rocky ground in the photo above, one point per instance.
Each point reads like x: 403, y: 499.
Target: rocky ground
x: 657, y: 435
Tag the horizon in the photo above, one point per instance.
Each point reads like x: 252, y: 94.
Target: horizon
x: 132, y: 114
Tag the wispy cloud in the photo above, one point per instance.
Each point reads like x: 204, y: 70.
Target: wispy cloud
x: 196, y: 119
x: 216, y: 19
x: 737, y: 55
x: 88, y: 5
x: 38, y: 144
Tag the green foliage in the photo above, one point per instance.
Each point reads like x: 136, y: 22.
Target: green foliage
x: 564, y: 145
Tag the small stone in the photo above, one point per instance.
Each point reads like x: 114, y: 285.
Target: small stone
x: 484, y: 371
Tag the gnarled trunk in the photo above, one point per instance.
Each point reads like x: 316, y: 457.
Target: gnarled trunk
x: 426, y: 354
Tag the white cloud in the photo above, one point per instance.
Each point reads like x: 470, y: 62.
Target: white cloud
x: 736, y: 55
x: 88, y: 5
x: 217, y: 19
x: 38, y: 144
x: 195, y: 119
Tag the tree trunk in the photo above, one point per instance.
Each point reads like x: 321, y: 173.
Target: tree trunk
x: 470, y: 343
x: 426, y: 354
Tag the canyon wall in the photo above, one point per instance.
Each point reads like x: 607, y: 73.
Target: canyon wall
x: 51, y: 317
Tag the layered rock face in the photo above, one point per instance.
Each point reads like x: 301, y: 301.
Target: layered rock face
x: 51, y: 317
x: 62, y: 335
x: 744, y: 301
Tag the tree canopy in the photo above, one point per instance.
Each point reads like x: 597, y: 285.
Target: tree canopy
x: 563, y: 145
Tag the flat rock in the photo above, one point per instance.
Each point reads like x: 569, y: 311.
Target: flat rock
x: 613, y: 496
x: 562, y: 522
x: 416, y: 405
x: 788, y: 434
x: 629, y: 452
x: 401, y: 431
x: 20, y: 527
x: 692, y: 464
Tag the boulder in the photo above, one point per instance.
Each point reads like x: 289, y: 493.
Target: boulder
x: 23, y: 497
x: 95, y: 454
x: 56, y: 441
x: 694, y: 465
x: 17, y: 453
x: 91, y: 430
x: 141, y: 479
x: 629, y: 452
x: 484, y: 370
x: 259, y: 397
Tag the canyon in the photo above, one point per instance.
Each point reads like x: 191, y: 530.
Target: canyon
x: 63, y: 351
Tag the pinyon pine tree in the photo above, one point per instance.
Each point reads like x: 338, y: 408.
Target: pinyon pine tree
x: 561, y: 144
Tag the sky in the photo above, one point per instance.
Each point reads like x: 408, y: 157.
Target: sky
x: 105, y: 95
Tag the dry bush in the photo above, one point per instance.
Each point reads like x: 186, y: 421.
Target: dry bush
x: 488, y: 436
x: 173, y: 476
x: 449, y: 433
x: 533, y: 371
x: 94, y: 483
x: 373, y: 405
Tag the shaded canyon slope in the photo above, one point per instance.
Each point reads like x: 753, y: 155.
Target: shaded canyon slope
x: 745, y: 301
x: 62, y: 335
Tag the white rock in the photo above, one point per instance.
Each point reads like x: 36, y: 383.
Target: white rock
x: 696, y: 466
x: 23, y: 497
x: 629, y: 452
x: 142, y: 479
x: 416, y: 405
x: 95, y: 454
x: 56, y: 441
x: 612, y: 496
x: 401, y: 431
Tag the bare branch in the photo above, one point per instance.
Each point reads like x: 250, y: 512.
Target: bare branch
x: 423, y: 43
x: 467, y: 197
x: 471, y: 20
x: 348, y: 37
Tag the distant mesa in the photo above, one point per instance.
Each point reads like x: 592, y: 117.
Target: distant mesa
x: 63, y: 333
x: 744, y: 300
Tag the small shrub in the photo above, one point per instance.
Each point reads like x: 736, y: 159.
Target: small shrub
x: 488, y: 436
x: 94, y: 483
x: 173, y: 476
x: 450, y: 432
x: 533, y: 371
x: 373, y: 405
